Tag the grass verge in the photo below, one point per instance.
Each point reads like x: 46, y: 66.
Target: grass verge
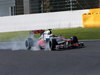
x: 10, y: 35
x: 81, y: 33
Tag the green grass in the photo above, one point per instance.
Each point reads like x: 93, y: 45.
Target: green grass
x: 10, y: 35
x: 81, y: 33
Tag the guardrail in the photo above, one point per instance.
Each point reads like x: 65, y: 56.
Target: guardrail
x: 65, y: 19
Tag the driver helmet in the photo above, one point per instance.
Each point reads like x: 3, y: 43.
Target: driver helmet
x: 47, y: 32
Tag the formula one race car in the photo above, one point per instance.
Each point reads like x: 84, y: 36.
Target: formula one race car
x: 52, y: 42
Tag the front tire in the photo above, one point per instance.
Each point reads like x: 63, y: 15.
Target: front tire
x: 82, y: 45
x: 75, y: 39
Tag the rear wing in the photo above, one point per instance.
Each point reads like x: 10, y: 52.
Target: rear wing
x: 38, y: 31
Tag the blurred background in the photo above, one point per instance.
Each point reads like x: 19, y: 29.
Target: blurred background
x: 20, y: 7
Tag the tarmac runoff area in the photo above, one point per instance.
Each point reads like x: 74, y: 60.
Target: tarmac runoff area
x: 83, y: 61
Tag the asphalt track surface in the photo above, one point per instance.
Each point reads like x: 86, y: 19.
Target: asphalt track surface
x: 83, y: 61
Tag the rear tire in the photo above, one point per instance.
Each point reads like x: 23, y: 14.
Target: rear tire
x: 29, y: 43
x: 53, y: 44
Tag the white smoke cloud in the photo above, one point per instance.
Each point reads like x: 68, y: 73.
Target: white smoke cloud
x: 19, y: 44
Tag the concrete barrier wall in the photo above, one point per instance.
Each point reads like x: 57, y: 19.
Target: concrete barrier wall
x: 92, y: 18
x: 65, y: 19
